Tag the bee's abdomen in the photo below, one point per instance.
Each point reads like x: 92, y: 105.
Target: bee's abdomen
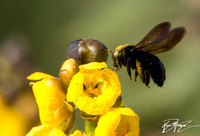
x: 153, y: 65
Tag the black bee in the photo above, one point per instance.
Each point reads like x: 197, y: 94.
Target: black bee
x: 141, y: 58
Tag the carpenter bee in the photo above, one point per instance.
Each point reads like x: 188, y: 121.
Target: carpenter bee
x: 141, y: 58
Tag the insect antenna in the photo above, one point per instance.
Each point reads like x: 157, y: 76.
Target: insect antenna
x: 109, y: 51
x: 106, y: 50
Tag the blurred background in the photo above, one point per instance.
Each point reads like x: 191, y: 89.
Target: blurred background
x: 34, y: 36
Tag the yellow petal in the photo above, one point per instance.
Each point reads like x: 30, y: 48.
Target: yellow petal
x: 91, y: 67
x: 78, y: 133
x: 107, y: 124
x: 118, y: 122
x: 57, y: 132
x: 62, y: 113
x: 129, y: 118
x: 49, y: 96
x: 12, y: 123
x: 45, y: 130
x: 38, y: 76
x: 75, y: 87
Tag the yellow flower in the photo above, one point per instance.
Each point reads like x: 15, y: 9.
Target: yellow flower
x: 50, y: 97
x: 11, y: 122
x: 94, y: 89
x: 78, y: 133
x: 118, y: 122
x: 48, y: 130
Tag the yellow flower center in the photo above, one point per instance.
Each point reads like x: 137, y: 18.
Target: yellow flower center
x: 92, y: 91
x: 94, y: 85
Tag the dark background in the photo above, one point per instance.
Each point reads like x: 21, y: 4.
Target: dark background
x: 50, y: 26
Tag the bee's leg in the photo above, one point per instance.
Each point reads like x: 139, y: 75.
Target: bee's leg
x: 118, y: 68
x: 119, y: 65
x: 136, y: 74
x: 143, y: 73
x: 129, y: 71
x: 146, y: 78
x: 116, y: 64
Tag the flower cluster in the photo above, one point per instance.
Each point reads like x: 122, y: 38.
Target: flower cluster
x: 94, y: 89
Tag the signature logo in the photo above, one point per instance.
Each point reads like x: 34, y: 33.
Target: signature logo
x: 174, y: 125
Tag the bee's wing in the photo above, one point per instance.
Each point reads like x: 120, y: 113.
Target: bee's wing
x: 167, y: 42
x: 154, y: 35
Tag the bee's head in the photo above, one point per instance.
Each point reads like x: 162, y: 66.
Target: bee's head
x: 118, y: 55
x: 119, y: 50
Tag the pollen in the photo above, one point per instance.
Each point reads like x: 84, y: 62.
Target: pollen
x: 93, y: 92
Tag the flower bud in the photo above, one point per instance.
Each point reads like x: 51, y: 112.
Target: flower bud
x: 68, y: 69
x: 87, y: 50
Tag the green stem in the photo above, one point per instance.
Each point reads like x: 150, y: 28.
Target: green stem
x: 90, y: 127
